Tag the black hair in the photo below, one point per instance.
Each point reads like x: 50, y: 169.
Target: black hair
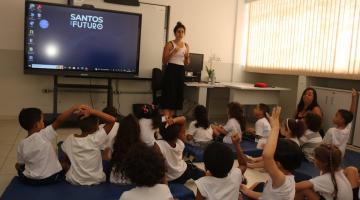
x: 264, y: 108
x: 28, y: 117
x: 313, y: 104
x: 346, y: 115
x: 297, y: 127
x: 288, y: 154
x: 330, y: 157
x: 144, y: 166
x: 236, y: 111
x: 218, y: 159
x: 148, y: 111
x: 201, y: 116
x: 312, y: 121
x: 179, y: 25
x: 128, y: 134
x: 88, y: 124
x: 171, y: 132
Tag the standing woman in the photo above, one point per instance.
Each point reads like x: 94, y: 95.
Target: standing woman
x: 175, y: 56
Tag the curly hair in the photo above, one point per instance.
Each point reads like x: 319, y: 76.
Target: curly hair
x: 236, y: 111
x: 128, y: 134
x: 144, y: 166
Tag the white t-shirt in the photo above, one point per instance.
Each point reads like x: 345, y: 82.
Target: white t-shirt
x: 110, y: 139
x: 227, y: 188
x: 309, y: 141
x: 232, y: 126
x: 176, y: 166
x: 200, y: 134
x: 85, y: 157
x: 147, y: 133
x: 285, y: 192
x: 263, y: 129
x: 38, y: 155
x: 338, y: 137
x: 157, y: 192
x: 324, y: 186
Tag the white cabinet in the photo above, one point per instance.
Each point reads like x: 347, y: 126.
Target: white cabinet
x: 356, y: 138
x: 330, y: 101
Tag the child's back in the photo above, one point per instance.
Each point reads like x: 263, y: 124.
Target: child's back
x: 176, y: 166
x: 38, y: 155
x: 85, y: 157
x: 83, y: 151
x: 147, y: 173
x: 37, y: 161
x: 222, y: 181
x: 199, y: 133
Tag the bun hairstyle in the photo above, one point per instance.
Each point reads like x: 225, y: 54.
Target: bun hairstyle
x: 296, y: 127
x: 179, y: 25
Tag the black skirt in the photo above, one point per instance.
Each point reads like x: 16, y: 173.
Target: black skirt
x: 172, y: 95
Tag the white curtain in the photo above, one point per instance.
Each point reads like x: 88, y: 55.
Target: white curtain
x: 305, y: 37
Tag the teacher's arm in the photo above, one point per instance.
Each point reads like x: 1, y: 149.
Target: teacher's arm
x: 187, y: 55
x: 168, y: 52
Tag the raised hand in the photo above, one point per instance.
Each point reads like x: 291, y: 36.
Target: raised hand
x: 354, y: 93
x: 274, y: 119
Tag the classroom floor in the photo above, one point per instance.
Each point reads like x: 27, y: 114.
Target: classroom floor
x: 11, y: 134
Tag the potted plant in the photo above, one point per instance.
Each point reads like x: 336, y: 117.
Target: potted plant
x: 210, y: 68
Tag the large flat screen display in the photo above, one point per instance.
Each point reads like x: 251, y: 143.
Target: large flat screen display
x: 78, y: 41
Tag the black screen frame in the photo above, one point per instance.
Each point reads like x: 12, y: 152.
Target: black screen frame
x: 79, y: 73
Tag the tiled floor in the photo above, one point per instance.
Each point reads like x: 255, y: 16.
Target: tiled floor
x: 11, y: 134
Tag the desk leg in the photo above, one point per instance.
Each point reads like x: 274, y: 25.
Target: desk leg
x: 202, y: 99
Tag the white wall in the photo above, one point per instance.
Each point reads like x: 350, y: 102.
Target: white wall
x: 210, y: 30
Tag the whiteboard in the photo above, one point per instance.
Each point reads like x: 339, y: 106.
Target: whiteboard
x: 153, y: 32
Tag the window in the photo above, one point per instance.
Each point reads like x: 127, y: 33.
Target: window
x: 304, y: 37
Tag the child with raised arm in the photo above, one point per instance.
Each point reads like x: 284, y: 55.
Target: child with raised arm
x: 37, y: 162
x: 281, y: 157
x: 339, y: 135
x: 172, y: 147
x: 83, y: 151
x: 222, y: 181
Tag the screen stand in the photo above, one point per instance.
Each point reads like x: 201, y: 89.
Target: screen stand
x: 50, y: 117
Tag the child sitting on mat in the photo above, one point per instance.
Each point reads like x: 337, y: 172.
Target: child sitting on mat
x: 339, y: 135
x: 200, y: 132
x: 281, y: 157
x: 83, y: 151
x: 262, y: 125
x: 145, y: 167
x: 37, y: 162
x: 172, y: 148
x: 311, y: 138
x: 222, y: 181
x: 235, y: 124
